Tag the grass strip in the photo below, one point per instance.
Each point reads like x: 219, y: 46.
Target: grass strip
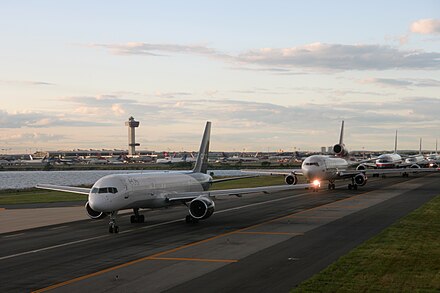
x: 405, y: 257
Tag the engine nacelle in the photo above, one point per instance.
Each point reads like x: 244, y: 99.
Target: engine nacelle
x: 415, y: 166
x: 340, y: 150
x: 291, y: 179
x: 201, y: 208
x: 94, y: 214
x: 361, y: 167
x: 433, y: 165
x: 360, y: 179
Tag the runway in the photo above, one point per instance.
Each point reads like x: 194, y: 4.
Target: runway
x: 255, y: 243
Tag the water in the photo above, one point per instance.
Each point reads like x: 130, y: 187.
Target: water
x: 28, y: 179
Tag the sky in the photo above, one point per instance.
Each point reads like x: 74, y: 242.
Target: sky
x: 270, y: 75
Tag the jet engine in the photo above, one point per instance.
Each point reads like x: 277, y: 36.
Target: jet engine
x: 340, y: 150
x: 94, y: 214
x: 360, y: 179
x: 361, y: 167
x: 291, y: 179
x: 201, y: 208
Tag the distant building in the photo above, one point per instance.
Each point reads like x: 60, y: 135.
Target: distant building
x: 323, y: 150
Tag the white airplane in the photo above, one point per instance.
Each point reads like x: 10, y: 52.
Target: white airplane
x: 170, y: 160
x: 318, y: 168
x: 32, y: 161
x: 434, y: 158
x: 392, y: 160
x: 116, y: 192
x: 418, y: 160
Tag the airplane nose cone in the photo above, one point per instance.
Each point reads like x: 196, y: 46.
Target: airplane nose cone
x: 99, y: 203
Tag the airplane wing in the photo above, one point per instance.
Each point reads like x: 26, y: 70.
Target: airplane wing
x: 232, y: 178
x: 186, y: 196
x: 71, y: 189
x: 350, y: 173
x: 274, y: 171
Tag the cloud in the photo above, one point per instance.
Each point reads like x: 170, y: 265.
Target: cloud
x: 426, y: 26
x: 402, y: 83
x: 118, y: 110
x: 138, y: 48
x: 342, y: 57
x: 311, y: 57
x: 35, y: 137
x: 26, y: 83
x: 40, y: 120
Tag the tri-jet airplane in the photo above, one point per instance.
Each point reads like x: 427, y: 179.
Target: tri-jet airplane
x: 116, y: 192
x: 318, y: 168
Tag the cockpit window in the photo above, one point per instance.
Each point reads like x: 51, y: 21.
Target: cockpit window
x: 312, y: 164
x: 105, y: 190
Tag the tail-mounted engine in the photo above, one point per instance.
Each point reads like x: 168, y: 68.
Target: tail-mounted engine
x: 201, y: 208
x: 360, y: 179
x: 94, y: 214
x: 291, y: 179
x: 340, y: 150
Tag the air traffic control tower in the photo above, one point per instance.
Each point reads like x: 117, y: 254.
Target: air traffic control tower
x: 132, y: 124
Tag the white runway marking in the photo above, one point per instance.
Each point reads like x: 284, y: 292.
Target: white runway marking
x: 13, y: 235
x: 145, y: 227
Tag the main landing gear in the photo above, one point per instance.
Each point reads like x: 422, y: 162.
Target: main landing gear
x: 112, y: 228
x: 136, y: 218
x: 353, y: 185
x: 191, y: 220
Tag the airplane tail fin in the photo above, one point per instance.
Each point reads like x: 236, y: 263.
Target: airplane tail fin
x: 202, y: 159
x: 395, y: 143
x: 341, y: 136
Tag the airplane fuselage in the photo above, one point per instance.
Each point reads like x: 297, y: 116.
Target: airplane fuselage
x: 126, y: 191
x: 388, y: 161
x: 321, y: 168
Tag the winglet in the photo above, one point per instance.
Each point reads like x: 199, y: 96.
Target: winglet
x: 395, y: 143
x: 202, y: 159
x: 420, y: 147
x: 341, y: 136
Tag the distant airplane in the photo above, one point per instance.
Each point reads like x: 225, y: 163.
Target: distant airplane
x: 392, y: 160
x: 174, y: 159
x: 32, y: 161
x: 238, y: 158
x: 417, y: 161
x: 434, y: 158
x: 116, y: 192
x: 318, y: 168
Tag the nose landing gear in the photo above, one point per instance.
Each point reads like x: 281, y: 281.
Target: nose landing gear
x: 112, y: 228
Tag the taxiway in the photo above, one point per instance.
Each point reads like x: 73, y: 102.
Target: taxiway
x: 255, y: 243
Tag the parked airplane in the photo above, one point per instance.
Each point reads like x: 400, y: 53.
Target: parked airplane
x: 319, y: 168
x: 170, y: 160
x: 156, y: 190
